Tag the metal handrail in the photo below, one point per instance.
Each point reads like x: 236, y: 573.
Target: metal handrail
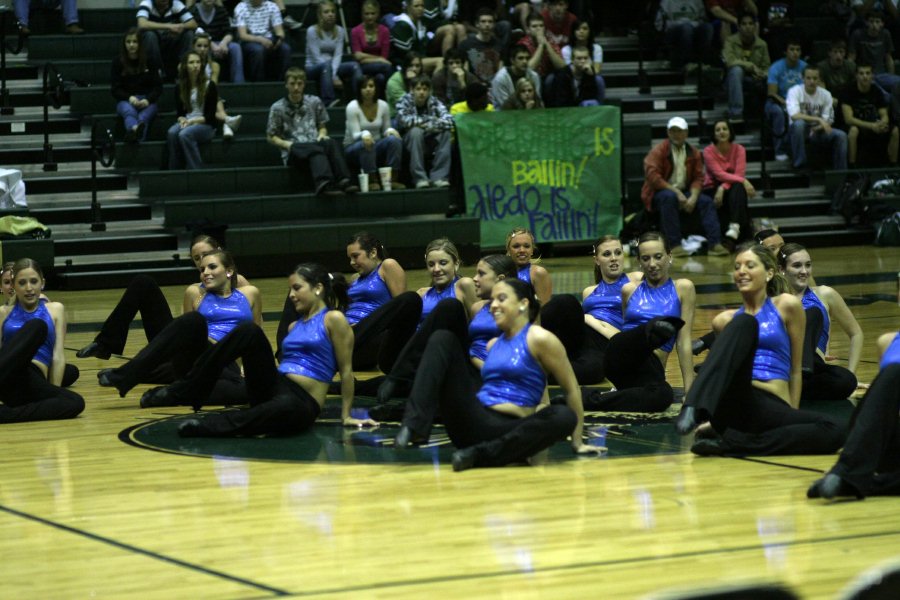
x: 52, y: 94
x: 103, y: 150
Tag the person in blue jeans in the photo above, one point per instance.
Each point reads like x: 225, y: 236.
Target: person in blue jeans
x: 811, y: 109
x: 195, y: 101
x: 746, y: 58
x: 135, y: 86
x: 369, y: 140
x: 260, y: 30
x: 784, y: 74
x: 325, y: 55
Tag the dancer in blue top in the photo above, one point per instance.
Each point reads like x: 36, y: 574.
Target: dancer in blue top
x: 211, y: 311
x: 508, y: 419
x: 381, y: 312
x: 658, y: 316
x: 823, y: 305
x: 749, y: 387
x: 585, y: 330
x: 443, y: 262
x: 520, y: 247
x: 32, y: 361
x: 288, y: 398
x: 869, y: 464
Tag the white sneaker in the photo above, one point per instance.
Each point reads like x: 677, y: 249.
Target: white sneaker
x: 781, y: 157
x: 734, y: 231
x: 291, y: 23
x: 234, y: 122
x: 227, y: 132
x: 422, y: 183
x: 441, y: 183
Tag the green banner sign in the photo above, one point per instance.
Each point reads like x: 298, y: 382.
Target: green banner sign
x: 555, y: 171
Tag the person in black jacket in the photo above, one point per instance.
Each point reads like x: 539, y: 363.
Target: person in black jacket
x: 135, y: 87
x: 574, y: 85
x: 195, y: 101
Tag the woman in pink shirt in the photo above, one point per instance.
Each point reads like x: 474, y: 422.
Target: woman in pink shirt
x: 371, y: 43
x: 727, y: 184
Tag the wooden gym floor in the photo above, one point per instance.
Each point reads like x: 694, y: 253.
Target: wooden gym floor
x: 83, y: 514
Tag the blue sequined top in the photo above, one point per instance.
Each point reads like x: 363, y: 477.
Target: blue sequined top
x: 432, y: 297
x: 773, y: 351
x: 18, y: 316
x: 366, y: 294
x: 482, y: 329
x: 524, y: 273
x: 511, y: 374
x: 649, y: 302
x: 222, y: 314
x: 605, y: 302
x: 892, y: 354
x: 809, y: 300
x: 307, y: 350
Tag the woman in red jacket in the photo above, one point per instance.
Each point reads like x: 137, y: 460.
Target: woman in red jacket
x: 726, y: 182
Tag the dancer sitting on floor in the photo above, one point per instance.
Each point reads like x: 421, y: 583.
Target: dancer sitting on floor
x: 520, y: 246
x: 749, y: 387
x: 443, y: 262
x: 508, y: 419
x: 869, y: 464
x: 822, y: 305
x: 32, y: 362
x: 288, y: 398
x: 585, y: 330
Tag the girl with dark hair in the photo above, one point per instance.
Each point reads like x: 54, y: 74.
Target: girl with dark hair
x: 381, y: 312
x: 727, y: 184
x: 135, y: 87
x: 216, y: 308
x: 509, y: 418
x: 658, y: 314
x: 369, y: 139
x: 749, y: 387
x: 585, y: 330
x: 32, y: 361
x: 196, y: 99
x: 869, y: 464
x: 822, y: 305
x: 371, y: 45
x: 288, y: 398
x: 520, y: 245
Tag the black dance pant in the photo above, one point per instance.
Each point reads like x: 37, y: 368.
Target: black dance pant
x: 448, y: 315
x: 443, y: 382
x: 734, y: 209
x: 751, y: 420
x: 822, y: 381
x: 870, y: 460
x: 378, y: 338
x: 141, y: 296
x: 585, y: 346
x: 325, y: 160
x: 175, y: 349
x: 278, y: 405
x: 638, y: 375
x: 26, y: 393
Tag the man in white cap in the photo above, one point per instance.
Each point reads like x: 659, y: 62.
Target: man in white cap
x: 673, y: 177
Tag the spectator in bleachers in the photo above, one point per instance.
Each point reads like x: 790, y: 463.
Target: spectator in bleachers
x: 811, y: 110
x: 202, y: 44
x: 504, y: 84
x: 370, y: 42
x: 863, y: 8
x: 229, y: 6
x: 401, y: 82
x: 687, y: 32
x: 546, y: 56
x: 524, y: 98
x: 727, y: 184
x: 135, y: 87
x: 484, y: 51
x: 866, y: 116
x: 414, y: 32
x: 776, y: 23
x: 576, y: 84
x: 476, y: 100
x: 837, y: 72
x: 426, y: 126
x: 521, y: 11
x: 167, y: 31
x: 195, y: 104
x: 583, y: 36
x: 325, y: 56
x: 213, y: 19
x: 369, y: 139
x: 440, y: 19
x: 747, y: 60
x: 673, y: 180
x: 261, y: 33
x: 298, y: 126
x: 874, y: 46
x: 450, y: 80
x: 784, y: 74
x: 69, y: 13
x: 725, y: 14
x: 559, y: 22
x: 470, y: 11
